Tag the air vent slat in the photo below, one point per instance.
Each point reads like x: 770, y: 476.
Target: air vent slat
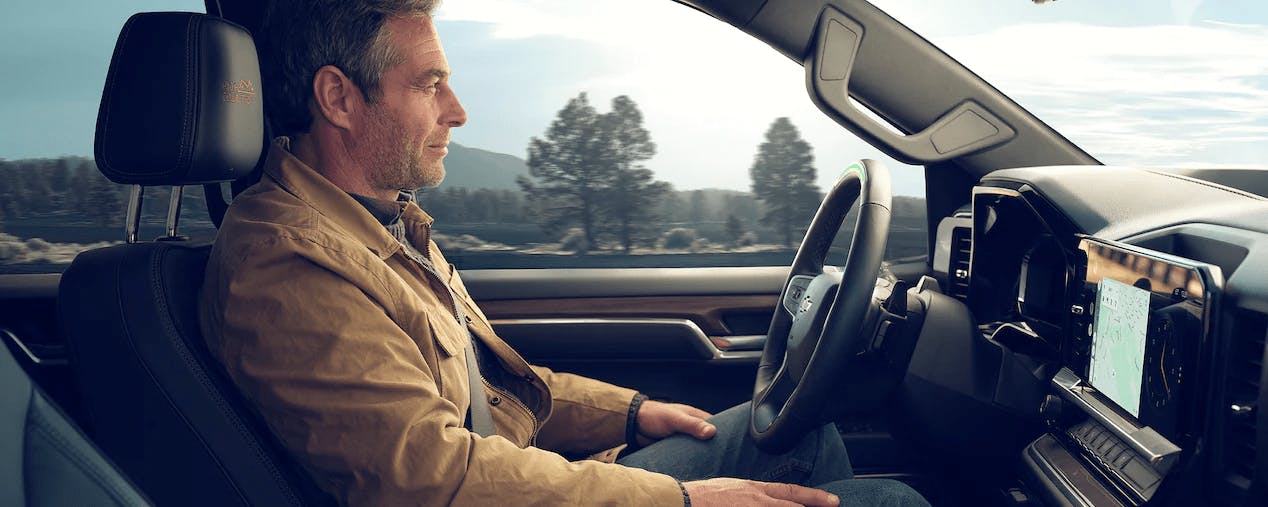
x: 1243, y: 371
x: 961, y: 250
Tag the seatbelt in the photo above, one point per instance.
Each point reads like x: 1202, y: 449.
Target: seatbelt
x: 479, y: 416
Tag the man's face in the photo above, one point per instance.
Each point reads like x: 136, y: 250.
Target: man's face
x: 402, y: 138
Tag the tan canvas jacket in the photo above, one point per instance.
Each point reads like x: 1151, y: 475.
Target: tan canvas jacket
x: 352, y: 354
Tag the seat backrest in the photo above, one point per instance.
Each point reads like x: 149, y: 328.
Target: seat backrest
x: 157, y: 402
x: 180, y: 107
x: 44, y: 459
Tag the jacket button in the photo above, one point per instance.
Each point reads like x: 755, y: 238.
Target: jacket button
x: 495, y: 400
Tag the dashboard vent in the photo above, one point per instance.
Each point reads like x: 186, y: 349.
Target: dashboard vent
x: 1245, y: 368
x: 958, y: 268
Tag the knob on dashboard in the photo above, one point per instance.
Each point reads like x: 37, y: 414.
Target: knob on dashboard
x: 1050, y: 409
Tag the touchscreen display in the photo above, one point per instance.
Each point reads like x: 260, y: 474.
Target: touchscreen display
x: 1119, y: 330
x: 1144, y: 321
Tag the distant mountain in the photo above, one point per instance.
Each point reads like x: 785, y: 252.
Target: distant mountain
x: 476, y: 168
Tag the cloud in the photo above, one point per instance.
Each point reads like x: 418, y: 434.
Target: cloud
x: 708, y: 91
x: 1141, y: 95
x: 1152, y: 95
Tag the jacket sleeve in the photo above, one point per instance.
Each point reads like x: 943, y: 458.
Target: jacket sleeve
x: 350, y: 394
x: 589, y: 415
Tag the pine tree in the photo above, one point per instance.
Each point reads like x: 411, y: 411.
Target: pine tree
x: 630, y: 205
x: 783, y: 176
x: 568, y: 179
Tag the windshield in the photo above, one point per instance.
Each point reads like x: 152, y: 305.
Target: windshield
x: 1132, y: 82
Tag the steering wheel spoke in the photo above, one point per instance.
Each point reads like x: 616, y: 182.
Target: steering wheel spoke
x: 795, y: 293
x: 768, y: 404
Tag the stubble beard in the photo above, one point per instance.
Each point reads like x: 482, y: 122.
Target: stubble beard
x: 394, y: 162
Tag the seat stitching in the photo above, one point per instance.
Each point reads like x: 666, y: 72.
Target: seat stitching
x: 110, y: 85
x: 185, y: 154
x: 127, y: 335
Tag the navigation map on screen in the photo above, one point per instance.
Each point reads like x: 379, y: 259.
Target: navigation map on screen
x: 1118, y: 342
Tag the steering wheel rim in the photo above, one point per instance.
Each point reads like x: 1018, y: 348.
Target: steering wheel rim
x: 809, y: 343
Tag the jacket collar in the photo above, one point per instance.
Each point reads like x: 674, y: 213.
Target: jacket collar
x: 386, y: 212
x: 336, y: 205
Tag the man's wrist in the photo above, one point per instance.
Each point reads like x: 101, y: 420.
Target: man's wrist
x: 631, y: 421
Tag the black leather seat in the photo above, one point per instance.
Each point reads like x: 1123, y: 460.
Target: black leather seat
x: 181, y: 107
x: 44, y: 459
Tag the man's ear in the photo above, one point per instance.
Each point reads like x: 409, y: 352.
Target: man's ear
x: 335, y: 98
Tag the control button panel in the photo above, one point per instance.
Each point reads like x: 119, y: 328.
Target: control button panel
x: 1116, y: 458
x: 796, y: 291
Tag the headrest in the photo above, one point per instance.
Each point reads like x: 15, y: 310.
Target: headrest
x: 181, y: 104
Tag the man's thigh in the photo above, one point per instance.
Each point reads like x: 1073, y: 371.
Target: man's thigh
x: 819, y: 458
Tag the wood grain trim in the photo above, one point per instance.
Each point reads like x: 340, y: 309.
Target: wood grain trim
x: 705, y: 311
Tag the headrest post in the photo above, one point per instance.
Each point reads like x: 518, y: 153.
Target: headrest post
x: 174, y: 211
x: 132, y: 223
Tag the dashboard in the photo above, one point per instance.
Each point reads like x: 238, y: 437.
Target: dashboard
x: 1148, y: 325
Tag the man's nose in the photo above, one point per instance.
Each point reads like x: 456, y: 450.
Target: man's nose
x: 454, y: 115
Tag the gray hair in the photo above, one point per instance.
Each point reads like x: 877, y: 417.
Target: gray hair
x: 301, y: 36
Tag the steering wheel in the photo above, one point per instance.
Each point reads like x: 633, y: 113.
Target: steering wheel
x: 817, y: 331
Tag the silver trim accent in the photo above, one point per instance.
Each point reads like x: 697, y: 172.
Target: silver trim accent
x: 1239, y: 409
x: 511, y: 284
x: 743, y: 341
x: 27, y: 351
x: 701, y: 340
x: 132, y: 222
x: 928, y: 283
x: 174, y: 210
x: 1155, y: 448
x: 1008, y: 192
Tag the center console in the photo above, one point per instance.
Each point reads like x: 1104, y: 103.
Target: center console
x: 1093, y: 359
x: 1124, y: 406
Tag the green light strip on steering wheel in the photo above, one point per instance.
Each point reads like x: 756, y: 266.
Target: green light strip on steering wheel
x: 855, y: 168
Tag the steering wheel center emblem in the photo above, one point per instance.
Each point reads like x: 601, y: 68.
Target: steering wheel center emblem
x: 805, y: 305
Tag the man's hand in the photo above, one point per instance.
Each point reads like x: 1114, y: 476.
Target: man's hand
x: 731, y: 492
x: 657, y: 420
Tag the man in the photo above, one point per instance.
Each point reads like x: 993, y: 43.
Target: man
x: 333, y: 311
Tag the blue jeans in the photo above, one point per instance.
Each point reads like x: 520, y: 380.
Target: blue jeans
x: 819, y: 460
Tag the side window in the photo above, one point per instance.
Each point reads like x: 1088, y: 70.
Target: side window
x: 689, y: 145
x: 53, y: 201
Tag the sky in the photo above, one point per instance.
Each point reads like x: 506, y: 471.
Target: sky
x: 1133, y: 82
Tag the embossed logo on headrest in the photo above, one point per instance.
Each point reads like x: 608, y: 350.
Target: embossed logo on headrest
x: 239, y: 92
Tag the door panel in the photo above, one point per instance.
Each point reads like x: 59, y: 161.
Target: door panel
x: 501, y: 284
x: 715, y: 315
x: 690, y: 335
x: 624, y: 339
